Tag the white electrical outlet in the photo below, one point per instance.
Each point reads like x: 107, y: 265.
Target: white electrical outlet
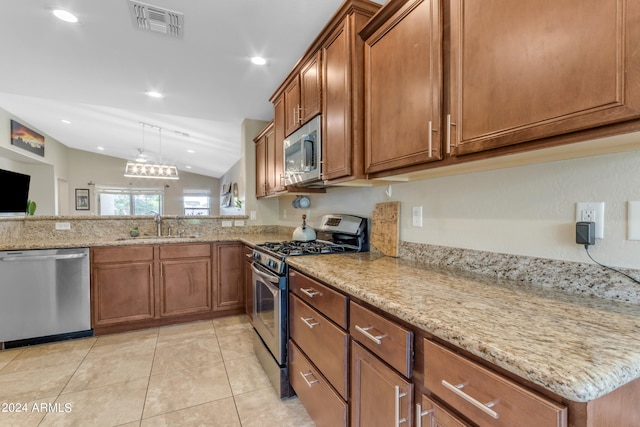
x: 417, y: 216
x: 63, y: 226
x: 226, y: 223
x: 252, y: 215
x: 238, y: 223
x: 592, y: 212
x: 633, y: 219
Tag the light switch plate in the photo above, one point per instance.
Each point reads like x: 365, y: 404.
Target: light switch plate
x: 252, y: 215
x: 417, y: 216
x: 227, y: 223
x: 633, y: 220
x: 238, y: 222
x: 63, y: 226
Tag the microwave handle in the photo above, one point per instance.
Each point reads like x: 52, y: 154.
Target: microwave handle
x: 308, y: 143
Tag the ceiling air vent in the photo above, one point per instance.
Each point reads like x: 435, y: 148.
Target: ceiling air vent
x: 156, y: 19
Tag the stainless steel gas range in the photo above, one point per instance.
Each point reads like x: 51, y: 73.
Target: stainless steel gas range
x: 337, y: 234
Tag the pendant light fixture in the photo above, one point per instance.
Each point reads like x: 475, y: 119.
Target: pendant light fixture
x: 141, y: 169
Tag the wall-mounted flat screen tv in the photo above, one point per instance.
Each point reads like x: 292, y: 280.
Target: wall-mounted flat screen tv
x: 14, y: 192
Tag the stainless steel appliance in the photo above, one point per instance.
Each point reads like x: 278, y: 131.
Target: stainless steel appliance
x: 44, y: 295
x: 302, y: 154
x: 339, y: 234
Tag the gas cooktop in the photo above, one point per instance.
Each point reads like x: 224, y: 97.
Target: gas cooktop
x: 293, y: 248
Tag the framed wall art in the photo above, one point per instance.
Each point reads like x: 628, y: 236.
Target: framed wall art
x: 82, y: 199
x: 27, y: 139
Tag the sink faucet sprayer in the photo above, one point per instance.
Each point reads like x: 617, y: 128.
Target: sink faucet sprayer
x: 158, y: 219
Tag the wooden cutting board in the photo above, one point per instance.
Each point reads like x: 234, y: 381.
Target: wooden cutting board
x: 385, y: 228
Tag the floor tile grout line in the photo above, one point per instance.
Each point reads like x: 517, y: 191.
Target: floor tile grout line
x: 146, y: 392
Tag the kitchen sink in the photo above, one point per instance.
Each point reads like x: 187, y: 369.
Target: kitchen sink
x: 120, y: 239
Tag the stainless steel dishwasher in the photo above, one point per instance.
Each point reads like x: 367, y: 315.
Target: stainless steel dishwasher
x: 44, y: 295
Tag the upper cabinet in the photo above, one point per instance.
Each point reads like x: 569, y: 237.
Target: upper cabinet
x: 526, y: 70
x: 265, y: 161
x: 302, y: 95
x: 403, y: 87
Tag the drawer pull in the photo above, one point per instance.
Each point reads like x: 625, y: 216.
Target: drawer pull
x: 484, y: 407
x: 309, y: 383
x: 307, y: 322
x: 310, y: 292
x: 420, y: 414
x: 399, y: 396
x: 365, y: 331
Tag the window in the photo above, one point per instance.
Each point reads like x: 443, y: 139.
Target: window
x: 196, y: 202
x: 127, y: 201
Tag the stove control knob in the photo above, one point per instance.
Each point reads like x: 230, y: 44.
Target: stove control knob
x: 256, y: 256
x: 271, y: 263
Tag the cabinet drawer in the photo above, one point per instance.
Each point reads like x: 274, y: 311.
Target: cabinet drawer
x: 329, y: 302
x: 324, y: 406
x: 185, y: 251
x: 390, y: 341
x: 122, y: 254
x: 322, y: 341
x: 429, y: 413
x: 485, y: 397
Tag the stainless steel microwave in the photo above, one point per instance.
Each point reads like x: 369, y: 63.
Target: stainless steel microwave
x: 302, y: 154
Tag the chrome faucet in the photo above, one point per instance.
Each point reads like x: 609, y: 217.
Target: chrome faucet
x: 158, y: 219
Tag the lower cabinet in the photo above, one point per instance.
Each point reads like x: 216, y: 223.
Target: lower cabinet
x: 229, y: 282
x: 324, y: 405
x: 379, y: 395
x: 429, y: 413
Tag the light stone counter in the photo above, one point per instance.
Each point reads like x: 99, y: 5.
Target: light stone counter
x: 577, y: 346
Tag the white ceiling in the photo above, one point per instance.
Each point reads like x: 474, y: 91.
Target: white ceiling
x: 94, y: 73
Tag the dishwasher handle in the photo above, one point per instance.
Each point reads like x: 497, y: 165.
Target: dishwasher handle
x: 13, y: 258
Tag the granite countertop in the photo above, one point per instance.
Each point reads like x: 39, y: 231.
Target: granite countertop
x: 578, y: 347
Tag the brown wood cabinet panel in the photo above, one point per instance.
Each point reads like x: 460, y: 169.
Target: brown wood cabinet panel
x: 322, y: 403
x: 229, y: 284
x: 330, y: 303
x: 278, y: 137
x: 392, y: 342
x: 185, y: 285
x: 403, y: 86
x: 261, y: 167
x: 292, y: 106
x: 122, y: 254
x: 376, y: 390
x: 526, y: 70
x: 513, y: 405
x: 192, y: 250
x: 270, y: 167
x: 248, y: 282
x: 311, y: 88
x: 429, y: 413
x: 324, y: 343
x: 122, y: 292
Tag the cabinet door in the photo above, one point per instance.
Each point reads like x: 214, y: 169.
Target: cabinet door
x: 531, y: 69
x: 261, y: 164
x: 403, y: 85
x: 379, y: 395
x: 278, y: 136
x: 185, y: 286
x: 248, y: 283
x: 310, y: 88
x: 430, y: 414
x: 336, y: 132
x: 292, y: 106
x: 122, y: 292
x: 229, y: 285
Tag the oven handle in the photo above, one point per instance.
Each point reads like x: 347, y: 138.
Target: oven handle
x: 272, y: 278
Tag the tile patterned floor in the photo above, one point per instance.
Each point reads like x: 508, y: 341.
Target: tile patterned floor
x: 195, y: 374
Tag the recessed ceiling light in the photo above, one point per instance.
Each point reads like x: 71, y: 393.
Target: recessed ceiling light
x: 100, y: 148
x: 190, y: 151
x: 66, y: 122
x: 154, y: 94
x: 187, y: 167
x: 258, y: 60
x: 65, y: 16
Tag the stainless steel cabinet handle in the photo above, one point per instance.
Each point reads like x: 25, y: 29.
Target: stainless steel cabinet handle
x: 307, y: 321
x: 365, y: 331
x: 399, y: 396
x: 484, y: 407
x: 310, y: 292
x: 40, y: 257
x: 449, y: 124
x: 420, y: 414
x: 309, y: 383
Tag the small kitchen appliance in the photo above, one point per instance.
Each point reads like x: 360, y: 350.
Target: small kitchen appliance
x: 338, y: 234
x: 302, y: 155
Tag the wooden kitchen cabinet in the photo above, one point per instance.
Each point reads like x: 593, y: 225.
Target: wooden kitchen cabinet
x: 122, y: 285
x: 248, y: 282
x: 343, y: 97
x: 185, y: 279
x: 228, y: 293
x: 278, y: 142
x: 310, y: 88
x: 403, y: 86
x: 429, y: 413
x: 526, y: 70
x: 376, y: 392
x: 292, y: 106
x: 265, y: 143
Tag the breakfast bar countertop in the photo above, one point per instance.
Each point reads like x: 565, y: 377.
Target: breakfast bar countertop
x: 576, y: 346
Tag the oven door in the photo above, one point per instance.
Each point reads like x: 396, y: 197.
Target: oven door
x: 269, y: 310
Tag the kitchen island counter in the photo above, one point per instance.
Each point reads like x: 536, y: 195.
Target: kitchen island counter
x: 576, y: 346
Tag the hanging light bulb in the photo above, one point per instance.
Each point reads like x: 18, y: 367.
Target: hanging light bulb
x: 141, y: 169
